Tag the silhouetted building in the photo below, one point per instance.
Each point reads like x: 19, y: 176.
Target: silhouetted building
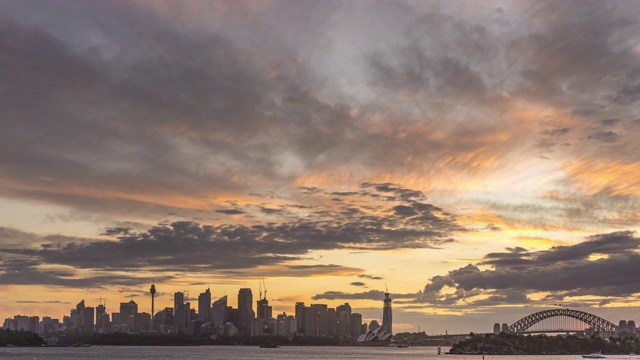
x: 102, y: 319
x: 181, y: 315
x: 204, y: 306
x: 300, y: 317
x: 332, y: 322
x: 218, y: 310
x: 88, y: 314
x: 127, y: 310
x: 387, y: 323
x: 245, y: 311
x: 152, y: 291
x: 321, y: 318
x: 355, y: 325
x: 374, y: 324
x: 631, y: 327
x: 343, y: 313
x: 264, y: 311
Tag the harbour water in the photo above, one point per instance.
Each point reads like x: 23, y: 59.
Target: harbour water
x: 254, y: 352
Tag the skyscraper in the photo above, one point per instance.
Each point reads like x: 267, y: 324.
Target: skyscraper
x: 88, y: 314
x: 387, y: 322
x: 245, y: 310
x: 102, y: 319
x: 127, y: 310
x: 180, y: 311
x: 218, y: 311
x: 263, y: 309
x: 204, y: 306
x: 300, y: 317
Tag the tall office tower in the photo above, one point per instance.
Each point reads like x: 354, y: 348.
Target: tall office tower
x: 309, y: 321
x: 34, y: 323
x: 80, y: 306
x: 178, y: 299
x: 342, y: 325
x: 332, y: 322
x: 631, y: 327
x: 263, y: 309
x: 101, y: 311
x: 245, y: 311
x: 127, y: 310
x: 344, y: 312
x: 356, y: 325
x: 300, y: 317
x: 387, y: 322
x: 321, y: 314
x: 218, y: 311
x: 88, y: 314
x: 204, y: 306
x: 179, y: 311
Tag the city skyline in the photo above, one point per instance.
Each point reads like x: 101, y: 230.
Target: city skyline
x: 477, y: 158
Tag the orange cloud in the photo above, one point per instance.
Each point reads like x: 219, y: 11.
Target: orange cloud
x: 614, y: 177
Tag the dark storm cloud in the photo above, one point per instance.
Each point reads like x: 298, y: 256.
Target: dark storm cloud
x: 91, y: 120
x: 358, y: 283
x: 26, y: 272
x: 196, y: 247
x: 565, y: 270
x: 628, y: 94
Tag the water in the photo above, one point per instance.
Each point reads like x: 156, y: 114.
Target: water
x: 254, y: 352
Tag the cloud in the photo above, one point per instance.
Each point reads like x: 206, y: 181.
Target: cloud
x: 560, y: 270
x: 372, y: 277
x: 278, y: 246
x: 230, y: 211
x: 357, y: 283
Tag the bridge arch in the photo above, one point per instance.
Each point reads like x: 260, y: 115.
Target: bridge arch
x: 596, y: 322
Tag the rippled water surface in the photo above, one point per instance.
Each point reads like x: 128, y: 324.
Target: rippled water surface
x: 254, y: 352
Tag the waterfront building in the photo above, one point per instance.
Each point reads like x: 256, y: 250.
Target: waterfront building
x: 505, y: 328
x: 631, y: 327
x: 355, y: 324
x: 343, y: 313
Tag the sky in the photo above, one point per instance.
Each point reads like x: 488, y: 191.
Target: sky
x: 478, y: 159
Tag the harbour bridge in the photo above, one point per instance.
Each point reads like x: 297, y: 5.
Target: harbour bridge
x: 561, y: 321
